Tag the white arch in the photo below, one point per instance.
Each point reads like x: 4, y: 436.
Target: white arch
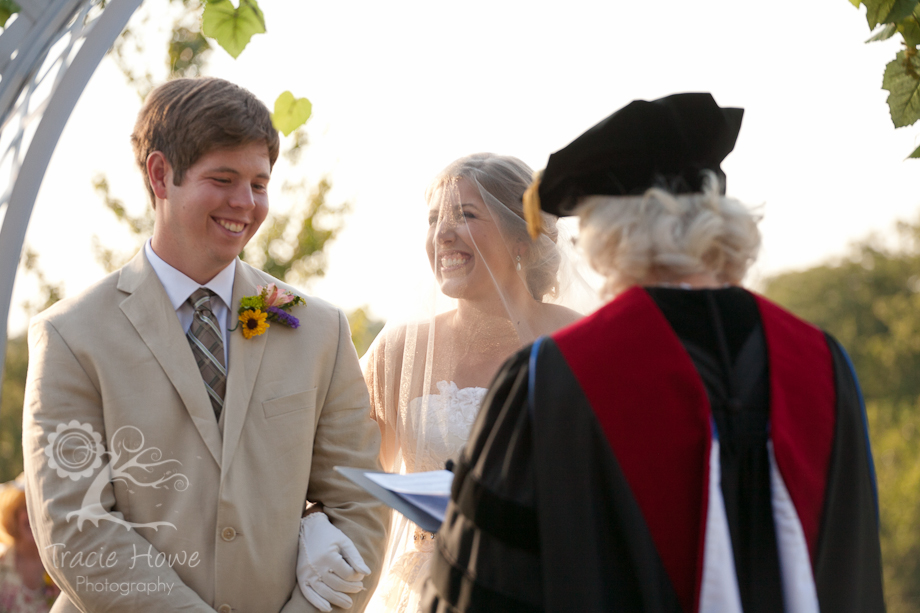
x: 48, y: 52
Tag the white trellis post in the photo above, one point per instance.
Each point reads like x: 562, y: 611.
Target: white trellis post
x: 48, y: 52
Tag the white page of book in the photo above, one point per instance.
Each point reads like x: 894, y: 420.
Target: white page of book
x: 431, y: 483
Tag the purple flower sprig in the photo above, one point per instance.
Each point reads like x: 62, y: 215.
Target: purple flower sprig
x: 283, y: 318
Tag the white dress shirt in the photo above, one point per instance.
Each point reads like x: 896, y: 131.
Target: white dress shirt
x: 179, y: 287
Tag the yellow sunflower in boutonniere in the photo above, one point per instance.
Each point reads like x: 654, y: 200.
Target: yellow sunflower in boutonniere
x: 271, y: 304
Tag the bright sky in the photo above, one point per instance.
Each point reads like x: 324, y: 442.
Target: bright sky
x: 400, y: 89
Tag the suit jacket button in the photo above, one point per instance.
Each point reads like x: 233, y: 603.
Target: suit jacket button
x: 228, y: 534
x: 224, y: 608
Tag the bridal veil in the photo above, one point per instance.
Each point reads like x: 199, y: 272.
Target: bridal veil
x: 493, y: 289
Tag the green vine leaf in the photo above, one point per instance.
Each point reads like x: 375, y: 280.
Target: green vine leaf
x: 910, y: 29
x: 291, y: 113
x: 884, y: 33
x: 856, y: 3
x: 232, y: 27
x: 888, y: 11
x: 902, y: 80
x: 7, y: 9
x: 915, y: 154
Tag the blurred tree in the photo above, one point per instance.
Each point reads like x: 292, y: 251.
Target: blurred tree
x: 11, y: 397
x: 12, y: 391
x: 364, y: 329
x: 291, y: 246
x: 139, y: 226
x: 865, y: 301
x: 48, y: 292
x: 870, y: 301
x: 895, y: 431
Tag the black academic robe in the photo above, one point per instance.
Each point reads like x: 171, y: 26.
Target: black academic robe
x: 584, y: 483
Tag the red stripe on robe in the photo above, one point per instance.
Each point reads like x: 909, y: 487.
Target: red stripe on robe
x: 802, y: 411
x: 653, y: 409
x: 660, y: 434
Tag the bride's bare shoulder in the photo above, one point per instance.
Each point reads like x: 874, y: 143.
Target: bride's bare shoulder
x: 555, y: 316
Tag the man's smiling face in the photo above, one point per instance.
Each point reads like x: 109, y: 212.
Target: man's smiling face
x: 204, y: 223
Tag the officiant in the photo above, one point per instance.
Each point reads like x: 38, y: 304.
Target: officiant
x: 690, y: 446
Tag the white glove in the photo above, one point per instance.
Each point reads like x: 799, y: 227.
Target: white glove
x: 328, y: 564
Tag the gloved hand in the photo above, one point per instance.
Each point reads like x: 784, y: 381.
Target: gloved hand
x: 328, y: 564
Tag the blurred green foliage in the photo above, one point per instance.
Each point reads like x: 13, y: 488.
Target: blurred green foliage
x: 364, y: 329
x: 12, y: 392
x: 7, y: 9
x: 11, y: 397
x: 870, y: 301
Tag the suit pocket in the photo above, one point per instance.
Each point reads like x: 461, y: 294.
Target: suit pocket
x: 301, y: 401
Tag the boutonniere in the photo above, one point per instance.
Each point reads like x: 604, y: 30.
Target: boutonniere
x: 270, y: 304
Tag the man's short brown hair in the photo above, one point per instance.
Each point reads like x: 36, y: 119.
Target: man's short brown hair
x: 188, y: 118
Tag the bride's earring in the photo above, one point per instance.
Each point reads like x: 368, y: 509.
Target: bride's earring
x: 518, y: 265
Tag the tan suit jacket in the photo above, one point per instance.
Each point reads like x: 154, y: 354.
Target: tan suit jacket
x: 119, y: 431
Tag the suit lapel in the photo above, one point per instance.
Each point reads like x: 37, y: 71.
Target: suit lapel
x: 245, y: 357
x: 148, y: 309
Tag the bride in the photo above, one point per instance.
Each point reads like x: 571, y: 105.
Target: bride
x: 497, y: 290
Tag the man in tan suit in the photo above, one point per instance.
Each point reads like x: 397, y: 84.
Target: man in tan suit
x: 169, y: 456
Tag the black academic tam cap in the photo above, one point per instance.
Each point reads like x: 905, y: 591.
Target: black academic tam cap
x: 665, y: 143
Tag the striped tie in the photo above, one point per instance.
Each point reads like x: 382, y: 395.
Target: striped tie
x: 208, y: 348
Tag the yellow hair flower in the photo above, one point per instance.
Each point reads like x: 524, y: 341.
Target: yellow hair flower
x: 253, y: 323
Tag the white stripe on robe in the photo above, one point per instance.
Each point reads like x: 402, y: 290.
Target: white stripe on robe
x: 719, y: 589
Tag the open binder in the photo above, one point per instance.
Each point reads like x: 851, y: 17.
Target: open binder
x: 421, y: 497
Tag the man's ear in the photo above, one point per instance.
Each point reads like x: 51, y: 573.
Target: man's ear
x: 158, y: 173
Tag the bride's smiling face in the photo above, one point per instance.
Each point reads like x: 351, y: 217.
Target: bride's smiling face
x: 466, y: 248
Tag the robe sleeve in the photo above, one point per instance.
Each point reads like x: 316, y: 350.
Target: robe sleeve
x: 847, y: 565
x: 488, y: 551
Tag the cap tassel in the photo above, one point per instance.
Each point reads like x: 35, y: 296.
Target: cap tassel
x: 532, y: 208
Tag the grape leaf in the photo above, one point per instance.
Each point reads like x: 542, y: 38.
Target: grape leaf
x: 915, y: 154
x: 290, y: 113
x: 910, y: 28
x: 902, y: 80
x: 855, y: 3
x: 231, y: 27
x: 884, y: 33
x: 888, y: 11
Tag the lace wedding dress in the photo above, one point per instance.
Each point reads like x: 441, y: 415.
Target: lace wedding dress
x: 433, y: 430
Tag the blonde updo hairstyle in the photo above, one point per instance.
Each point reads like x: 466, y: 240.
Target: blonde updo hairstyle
x: 659, y: 237
x: 502, y: 181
